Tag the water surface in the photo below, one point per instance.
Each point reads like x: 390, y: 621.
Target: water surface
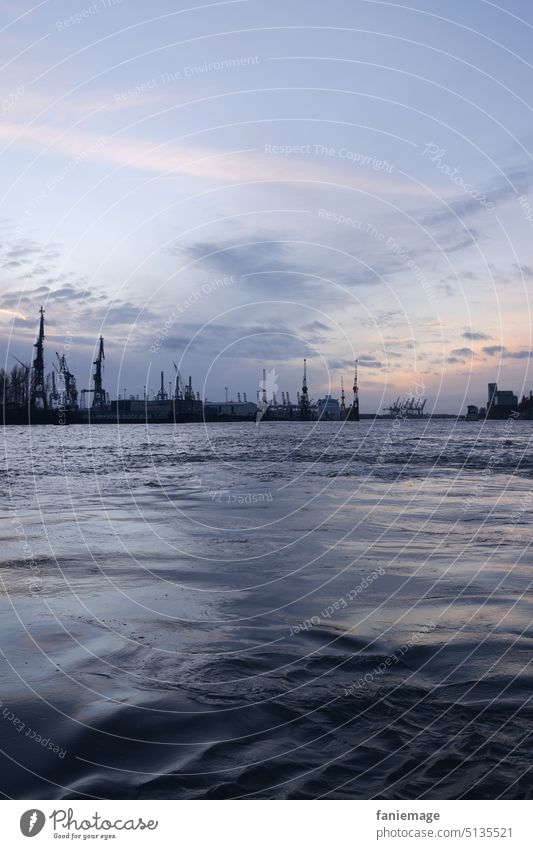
x: 275, y: 611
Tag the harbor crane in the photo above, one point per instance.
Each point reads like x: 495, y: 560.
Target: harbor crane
x: 69, y: 397
x: 99, y: 396
x: 38, y: 397
x: 304, y: 397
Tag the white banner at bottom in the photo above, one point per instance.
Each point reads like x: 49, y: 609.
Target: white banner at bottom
x: 266, y: 824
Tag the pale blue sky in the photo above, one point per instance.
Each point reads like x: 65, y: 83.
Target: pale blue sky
x: 273, y: 181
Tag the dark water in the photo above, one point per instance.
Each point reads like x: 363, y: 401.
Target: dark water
x: 272, y: 612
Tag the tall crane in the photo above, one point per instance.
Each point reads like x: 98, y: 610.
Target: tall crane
x: 353, y: 412
x: 355, y: 405
x: 70, y: 392
x: 99, y: 397
x: 304, y: 397
x: 38, y: 398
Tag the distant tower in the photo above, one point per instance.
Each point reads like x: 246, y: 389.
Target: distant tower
x: 343, y: 399
x: 353, y: 412
x: 244, y: 396
x: 99, y: 399
x: 239, y: 397
x: 38, y: 397
x: 304, y: 398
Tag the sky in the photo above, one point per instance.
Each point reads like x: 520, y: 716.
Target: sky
x: 232, y: 186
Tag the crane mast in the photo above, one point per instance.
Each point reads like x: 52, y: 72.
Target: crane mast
x: 355, y: 404
x: 38, y: 398
x: 70, y: 393
x: 99, y: 399
x: 304, y: 397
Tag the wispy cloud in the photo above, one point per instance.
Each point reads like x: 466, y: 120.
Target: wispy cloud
x: 176, y: 158
x: 12, y: 313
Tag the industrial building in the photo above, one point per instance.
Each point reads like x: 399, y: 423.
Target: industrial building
x: 501, y: 402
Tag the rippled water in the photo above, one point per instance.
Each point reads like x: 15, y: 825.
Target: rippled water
x: 275, y: 611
